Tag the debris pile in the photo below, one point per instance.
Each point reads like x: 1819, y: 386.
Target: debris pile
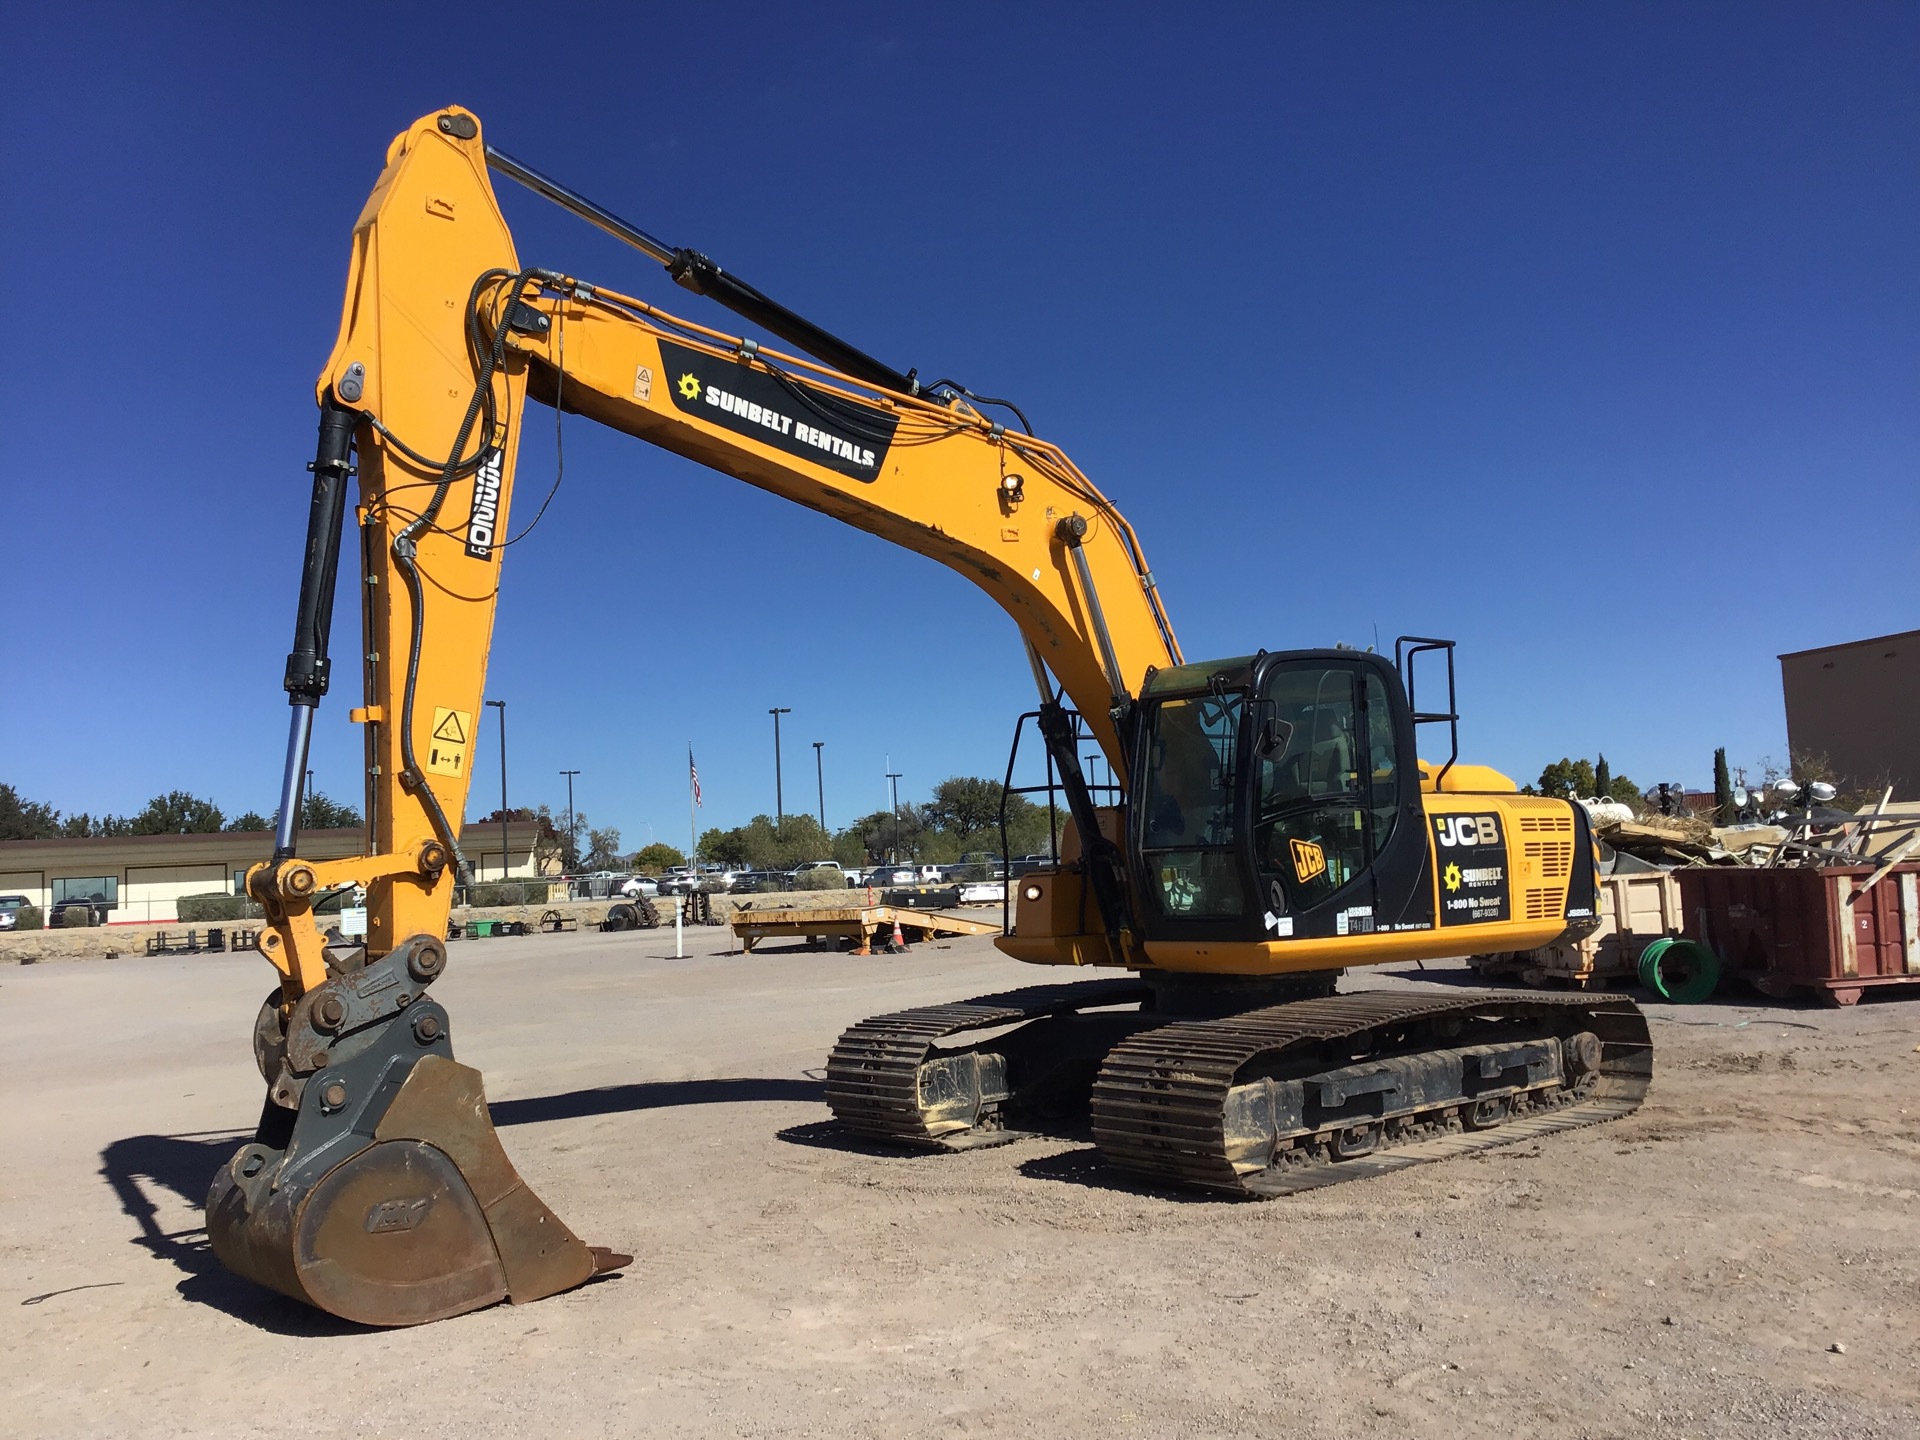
x: 1813, y: 835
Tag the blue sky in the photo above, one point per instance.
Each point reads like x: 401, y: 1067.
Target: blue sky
x: 1586, y: 335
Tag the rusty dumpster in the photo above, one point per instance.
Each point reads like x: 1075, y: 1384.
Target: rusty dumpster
x: 1829, y: 933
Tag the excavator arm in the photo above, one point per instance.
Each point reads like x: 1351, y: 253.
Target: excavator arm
x: 375, y: 1186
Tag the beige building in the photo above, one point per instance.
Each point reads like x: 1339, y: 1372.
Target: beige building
x: 1858, y: 704
x: 139, y: 877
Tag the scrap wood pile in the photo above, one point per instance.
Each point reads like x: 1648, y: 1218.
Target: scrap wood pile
x: 1816, y: 836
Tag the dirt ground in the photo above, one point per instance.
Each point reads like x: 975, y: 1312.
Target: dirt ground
x: 1740, y: 1258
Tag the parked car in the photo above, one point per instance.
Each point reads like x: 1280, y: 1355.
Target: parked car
x: 98, y: 905
x: 758, y: 882
x: 680, y: 882
x: 637, y: 885
x: 894, y: 875
x: 10, y: 908
x: 817, y: 875
x: 600, y: 885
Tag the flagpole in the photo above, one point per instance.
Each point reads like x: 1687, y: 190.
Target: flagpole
x: 692, y: 824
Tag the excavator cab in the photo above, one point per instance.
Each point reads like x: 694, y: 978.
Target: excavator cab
x: 1278, y: 799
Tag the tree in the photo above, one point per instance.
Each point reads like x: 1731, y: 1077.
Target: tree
x: 317, y: 812
x: 603, y: 849
x: 252, y: 820
x: 656, y: 857
x: 1567, y: 779
x: 178, y: 813
x: 1602, y: 778
x: 761, y: 844
x: 1722, y: 788
x: 850, y: 850
x: 886, y: 834
x: 722, y: 847
x: 84, y: 827
x: 968, y: 809
x: 26, y: 819
x: 1625, y: 791
x: 1029, y: 831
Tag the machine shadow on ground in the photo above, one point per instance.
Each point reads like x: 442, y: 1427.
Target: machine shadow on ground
x: 186, y: 1164
x: 1085, y: 1167
x: 653, y: 1095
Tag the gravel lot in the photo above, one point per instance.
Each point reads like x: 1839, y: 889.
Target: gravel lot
x: 1740, y: 1258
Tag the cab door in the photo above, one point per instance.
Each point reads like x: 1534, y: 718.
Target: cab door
x: 1335, y: 820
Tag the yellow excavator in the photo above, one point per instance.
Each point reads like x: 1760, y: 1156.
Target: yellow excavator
x: 1268, y: 823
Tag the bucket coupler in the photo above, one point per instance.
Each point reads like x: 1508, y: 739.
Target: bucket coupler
x: 375, y: 1187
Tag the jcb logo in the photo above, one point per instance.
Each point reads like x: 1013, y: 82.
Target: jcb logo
x: 1309, y: 860
x: 1467, y: 830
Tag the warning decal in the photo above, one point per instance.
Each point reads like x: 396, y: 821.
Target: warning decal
x: 447, y: 751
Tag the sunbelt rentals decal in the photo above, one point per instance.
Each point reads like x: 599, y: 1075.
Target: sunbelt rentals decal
x: 843, y: 436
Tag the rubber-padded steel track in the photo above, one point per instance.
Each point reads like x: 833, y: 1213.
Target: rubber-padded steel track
x: 1159, y: 1103
x: 873, y: 1074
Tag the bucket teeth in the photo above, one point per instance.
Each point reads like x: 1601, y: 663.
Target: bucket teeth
x: 389, y: 1200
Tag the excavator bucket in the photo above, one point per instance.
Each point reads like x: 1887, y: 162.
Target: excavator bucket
x: 383, y: 1195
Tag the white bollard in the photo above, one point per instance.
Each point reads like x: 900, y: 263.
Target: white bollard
x: 678, y: 952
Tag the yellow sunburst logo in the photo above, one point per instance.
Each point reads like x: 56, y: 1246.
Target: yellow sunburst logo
x: 1452, y: 877
x: 690, y: 386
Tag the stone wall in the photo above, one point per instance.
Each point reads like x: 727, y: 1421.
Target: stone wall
x: 32, y: 947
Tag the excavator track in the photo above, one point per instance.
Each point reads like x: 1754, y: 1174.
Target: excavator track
x: 878, y: 1087
x: 1316, y: 1092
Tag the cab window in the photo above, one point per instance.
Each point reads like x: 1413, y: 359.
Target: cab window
x: 1327, y: 780
x: 1189, y: 838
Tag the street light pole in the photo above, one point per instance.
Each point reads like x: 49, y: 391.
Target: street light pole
x: 893, y: 779
x: 820, y: 779
x: 572, y: 846
x: 506, y: 851
x: 779, y: 803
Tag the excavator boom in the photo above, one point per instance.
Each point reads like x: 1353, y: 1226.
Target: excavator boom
x: 444, y: 335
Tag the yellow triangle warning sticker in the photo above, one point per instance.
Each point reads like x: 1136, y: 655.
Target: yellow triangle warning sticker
x: 447, y: 752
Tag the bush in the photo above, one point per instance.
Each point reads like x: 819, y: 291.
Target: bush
x: 821, y: 879
x: 508, y: 892
x: 76, y: 917
x: 29, y: 917
x: 198, y: 909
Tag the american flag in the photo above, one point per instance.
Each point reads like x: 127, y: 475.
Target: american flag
x: 693, y: 775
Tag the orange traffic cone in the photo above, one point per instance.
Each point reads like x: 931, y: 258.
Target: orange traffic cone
x: 899, y: 940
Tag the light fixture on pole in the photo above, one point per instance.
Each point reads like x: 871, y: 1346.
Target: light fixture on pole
x: 893, y: 779
x: 572, y: 845
x: 506, y: 852
x: 779, y: 804
x: 820, y: 779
